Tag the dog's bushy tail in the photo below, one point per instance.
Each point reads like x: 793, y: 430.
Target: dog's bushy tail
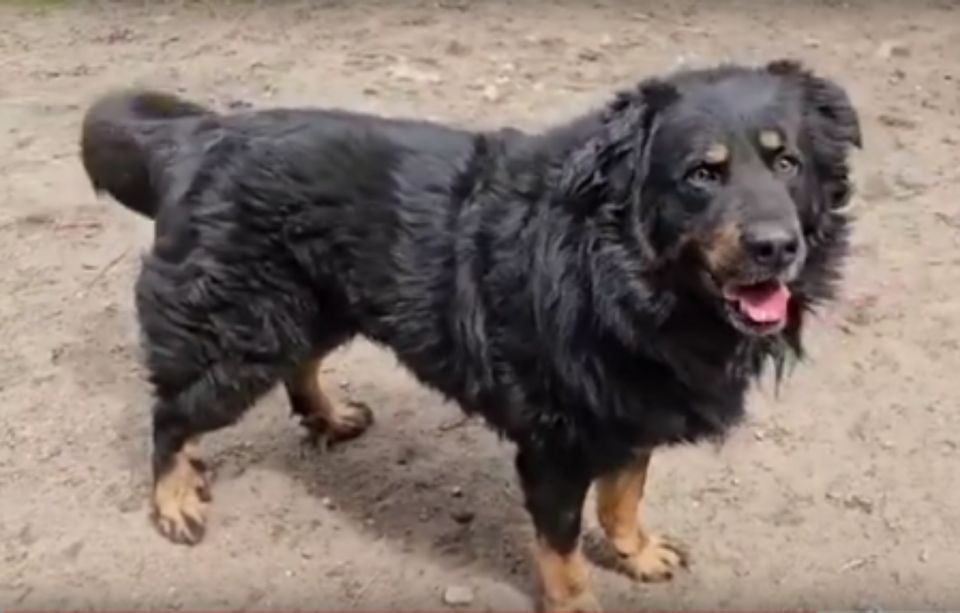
x: 127, y: 138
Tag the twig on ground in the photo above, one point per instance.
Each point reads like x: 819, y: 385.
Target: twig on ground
x: 103, y: 271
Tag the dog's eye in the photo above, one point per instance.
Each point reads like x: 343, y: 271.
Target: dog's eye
x: 786, y: 165
x: 703, y: 176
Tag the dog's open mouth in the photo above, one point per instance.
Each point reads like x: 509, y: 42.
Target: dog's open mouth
x: 758, y: 308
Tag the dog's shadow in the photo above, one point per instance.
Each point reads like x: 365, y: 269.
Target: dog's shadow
x: 444, y: 491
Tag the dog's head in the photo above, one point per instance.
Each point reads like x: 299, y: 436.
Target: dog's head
x: 732, y: 181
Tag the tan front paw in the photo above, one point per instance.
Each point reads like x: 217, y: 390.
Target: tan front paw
x: 657, y: 561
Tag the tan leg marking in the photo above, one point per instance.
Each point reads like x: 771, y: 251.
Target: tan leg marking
x: 643, y: 557
x: 565, y: 579
x: 326, y: 421
x: 180, y: 497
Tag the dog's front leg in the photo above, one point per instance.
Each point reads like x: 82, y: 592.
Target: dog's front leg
x: 643, y: 556
x: 554, y: 487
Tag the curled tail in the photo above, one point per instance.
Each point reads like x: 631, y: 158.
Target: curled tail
x: 125, y: 137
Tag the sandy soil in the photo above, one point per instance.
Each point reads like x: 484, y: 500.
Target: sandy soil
x: 841, y: 493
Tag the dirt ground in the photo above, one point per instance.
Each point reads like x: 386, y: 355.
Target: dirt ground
x: 841, y: 493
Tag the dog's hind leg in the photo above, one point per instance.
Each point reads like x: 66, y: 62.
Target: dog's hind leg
x: 327, y: 421
x: 213, y: 400
x: 554, y: 488
x: 643, y: 556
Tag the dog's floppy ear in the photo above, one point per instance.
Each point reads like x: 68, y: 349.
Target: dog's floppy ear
x: 831, y: 125
x: 829, y: 102
x: 612, y: 159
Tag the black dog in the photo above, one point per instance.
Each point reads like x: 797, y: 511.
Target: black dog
x: 593, y: 292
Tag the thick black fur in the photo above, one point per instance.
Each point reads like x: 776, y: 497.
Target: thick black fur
x: 553, y: 283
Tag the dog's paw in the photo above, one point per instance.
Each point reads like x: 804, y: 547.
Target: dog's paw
x: 659, y: 560
x: 346, y: 421
x: 584, y: 602
x: 180, y: 500
x: 350, y: 420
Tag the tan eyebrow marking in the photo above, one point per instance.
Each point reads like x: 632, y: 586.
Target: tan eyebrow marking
x: 770, y: 140
x: 717, y: 153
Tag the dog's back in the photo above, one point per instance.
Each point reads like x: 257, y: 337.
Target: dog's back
x: 126, y: 140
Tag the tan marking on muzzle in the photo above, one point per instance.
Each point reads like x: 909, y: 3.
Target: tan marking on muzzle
x: 722, y: 249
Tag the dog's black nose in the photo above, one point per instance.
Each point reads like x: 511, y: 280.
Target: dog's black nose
x: 772, y: 247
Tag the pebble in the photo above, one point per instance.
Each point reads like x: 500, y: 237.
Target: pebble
x: 405, y: 72
x: 911, y: 180
x: 327, y: 502
x: 457, y: 595
x: 891, y: 48
x: 876, y: 187
x: 894, y: 120
x: 859, y: 503
x: 463, y: 516
x: 491, y: 93
x: 589, y: 55
x: 456, y: 48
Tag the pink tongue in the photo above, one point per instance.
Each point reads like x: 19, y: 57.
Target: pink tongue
x: 764, y: 304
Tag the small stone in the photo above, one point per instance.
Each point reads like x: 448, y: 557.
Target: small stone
x: 911, y: 180
x: 457, y: 596
x: 491, y: 93
x: 891, y: 48
x: 876, y: 187
x: 859, y: 503
x: 406, y: 72
x: 589, y: 55
x: 893, y: 120
x: 456, y: 48
x: 553, y: 43
x: 463, y: 516
x: 407, y: 455
x: 327, y: 502
x: 456, y: 491
x: 73, y: 551
x: 897, y: 76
